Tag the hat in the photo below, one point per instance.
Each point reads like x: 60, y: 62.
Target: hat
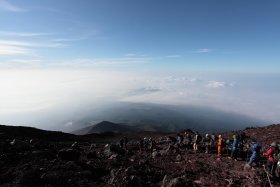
x: 273, y: 144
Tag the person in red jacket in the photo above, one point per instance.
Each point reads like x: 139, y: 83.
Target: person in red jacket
x: 271, y: 161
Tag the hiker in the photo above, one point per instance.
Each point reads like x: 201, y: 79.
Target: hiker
x: 206, y: 142
x: 125, y: 142
x: 180, y: 140
x: 220, y: 144
x: 242, y: 137
x: 197, y: 139
x: 234, y: 148
x: 121, y: 143
x: 172, y: 140
x: 188, y: 139
x: 271, y: 161
x: 212, y: 141
x: 255, y: 149
x: 146, y: 144
x: 141, y: 144
x: 153, y: 144
x: 277, y: 170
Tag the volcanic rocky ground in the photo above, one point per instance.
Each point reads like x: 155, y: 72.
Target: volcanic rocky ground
x: 33, y: 157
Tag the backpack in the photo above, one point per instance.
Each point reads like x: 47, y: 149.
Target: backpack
x: 256, y: 147
x: 199, y: 138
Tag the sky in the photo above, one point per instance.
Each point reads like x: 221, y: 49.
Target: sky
x: 61, y: 53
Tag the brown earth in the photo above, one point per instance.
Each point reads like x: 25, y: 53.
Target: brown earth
x: 44, y: 158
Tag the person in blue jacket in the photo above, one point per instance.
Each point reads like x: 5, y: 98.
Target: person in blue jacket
x: 255, y: 148
x: 234, y: 150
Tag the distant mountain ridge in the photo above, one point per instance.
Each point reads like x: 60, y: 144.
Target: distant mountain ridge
x: 166, y: 118
x: 106, y: 126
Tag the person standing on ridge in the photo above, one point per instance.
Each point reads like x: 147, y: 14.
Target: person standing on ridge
x: 255, y: 148
x: 197, y: 139
x: 180, y: 140
x: 188, y: 139
x: 206, y: 141
x: 271, y: 161
x: 141, y: 145
x: 121, y: 143
x: 234, y: 148
x: 220, y: 144
x: 125, y: 142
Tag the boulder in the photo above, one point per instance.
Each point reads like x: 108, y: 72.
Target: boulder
x: 179, y: 182
x: 91, y: 155
x: 131, y: 171
x: 133, y: 181
x: 178, y: 158
x: 19, y: 145
x: 156, y: 154
x: 113, y: 149
x: 69, y: 154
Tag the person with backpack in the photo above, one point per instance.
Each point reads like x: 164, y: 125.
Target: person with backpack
x: 213, y: 142
x: 197, y: 140
x: 188, y: 140
x: 146, y: 144
x: 141, y: 145
x: 255, y: 149
x: 121, y: 143
x: 125, y: 142
x: 234, y: 148
x: 206, y: 142
x: 180, y: 140
x: 220, y: 144
x: 172, y: 140
x: 271, y: 161
x: 277, y: 170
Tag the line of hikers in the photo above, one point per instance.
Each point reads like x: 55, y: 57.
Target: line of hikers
x: 237, y: 147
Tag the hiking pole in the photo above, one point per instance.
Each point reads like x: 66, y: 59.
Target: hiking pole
x: 247, y: 156
x: 272, y: 168
x: 268, y: 178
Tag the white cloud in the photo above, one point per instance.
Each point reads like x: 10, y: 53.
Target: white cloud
x: 14, y: 43
x: 204, y: 50
x: 16, y: 47
x: 11, y: 50
x: 216, y: 84
x: 7, y: 6
x: 99, y: 62
x: 22, y: 34
x: 130, y: 55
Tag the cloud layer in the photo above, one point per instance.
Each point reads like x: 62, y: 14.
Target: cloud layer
x: 29, y: 96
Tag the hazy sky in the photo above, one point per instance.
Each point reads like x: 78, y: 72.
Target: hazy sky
x: 61, y: 53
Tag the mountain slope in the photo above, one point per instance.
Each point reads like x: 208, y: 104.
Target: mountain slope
x: 106, y: 126
x: 153, y: 117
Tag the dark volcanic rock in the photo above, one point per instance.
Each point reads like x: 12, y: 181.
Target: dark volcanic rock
x: 69, y: 154
x: 180, y: 182
x: 46, y: 162
x: 111, y: 149
x: 19, y: 145
x: 133, y: 181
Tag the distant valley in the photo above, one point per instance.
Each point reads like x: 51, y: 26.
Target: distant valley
x: 156, y: 117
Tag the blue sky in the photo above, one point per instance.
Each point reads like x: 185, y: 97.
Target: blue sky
x: 210, y: 35
x: 55, y: 54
